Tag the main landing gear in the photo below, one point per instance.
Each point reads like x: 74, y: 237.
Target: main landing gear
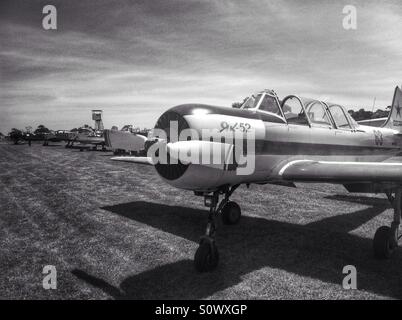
x: 386, y: 238
x: 207, y: 256
x: 69, y: 144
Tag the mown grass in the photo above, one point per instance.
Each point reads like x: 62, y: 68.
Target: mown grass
x: 115, y: 230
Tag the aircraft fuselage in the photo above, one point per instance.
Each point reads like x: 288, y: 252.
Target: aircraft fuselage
x: 276, y: 143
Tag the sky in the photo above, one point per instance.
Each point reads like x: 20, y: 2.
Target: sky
x: 136, y: 59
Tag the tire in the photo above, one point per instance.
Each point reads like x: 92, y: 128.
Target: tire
x: 206, y: 257
x: 231, y: 213
x: 383, y: 248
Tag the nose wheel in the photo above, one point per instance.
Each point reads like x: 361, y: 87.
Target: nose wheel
x: 206, y: 257
x: 386, y: 238
x: 385, y: 242
x: 231, y: 213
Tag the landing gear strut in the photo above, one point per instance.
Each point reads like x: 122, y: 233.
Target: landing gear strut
x: 386, y: 238
x: 207, y: 256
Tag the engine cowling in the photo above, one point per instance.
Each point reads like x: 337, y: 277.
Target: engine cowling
x: 201, y: 176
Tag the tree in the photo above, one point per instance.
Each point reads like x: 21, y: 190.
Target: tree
x: 367, y: 115
x: 41, y: 129
x: 16, y: 135
x: 380, y: 114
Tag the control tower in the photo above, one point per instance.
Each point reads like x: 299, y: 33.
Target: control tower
x: 97, y: 117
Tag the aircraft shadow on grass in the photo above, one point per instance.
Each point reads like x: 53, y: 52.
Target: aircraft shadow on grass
x: 317, y: 250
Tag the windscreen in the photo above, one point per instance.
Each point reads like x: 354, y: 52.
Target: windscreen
x: 252, y: 102
x: 270, y: 104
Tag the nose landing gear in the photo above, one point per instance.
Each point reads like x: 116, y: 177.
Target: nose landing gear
x: 386, y: 238
x: 206, y: 257
x: 231, y: 213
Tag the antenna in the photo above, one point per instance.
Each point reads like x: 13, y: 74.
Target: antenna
x: 374, y: 104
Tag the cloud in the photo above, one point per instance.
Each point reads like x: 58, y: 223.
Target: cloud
x: 136, y: 59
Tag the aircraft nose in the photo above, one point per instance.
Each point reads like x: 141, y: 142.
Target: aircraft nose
x: 169, y: 120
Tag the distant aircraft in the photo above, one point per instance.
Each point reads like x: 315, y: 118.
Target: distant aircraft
x: 87, y: 138
x: 297, y: 140
x: 56, y: 136
x: 126, y: 140
x: 18, y: 136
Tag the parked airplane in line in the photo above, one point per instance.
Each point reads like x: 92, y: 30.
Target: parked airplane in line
x: 297, y: 140
x: 126, y: 140
x: 57, y: 136
x: 87, y: 138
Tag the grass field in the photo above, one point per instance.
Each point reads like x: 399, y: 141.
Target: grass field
x: 116, y: 231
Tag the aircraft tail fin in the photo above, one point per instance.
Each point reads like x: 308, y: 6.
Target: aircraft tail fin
x: 394, y: 120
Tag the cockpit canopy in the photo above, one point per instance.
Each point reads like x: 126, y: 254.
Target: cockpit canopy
x: 301, y: 111
x: 264, y: 101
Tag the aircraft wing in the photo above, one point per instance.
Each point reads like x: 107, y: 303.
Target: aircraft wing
x: 142, y: 160
x: 181, y: 150
x: 342, y: 172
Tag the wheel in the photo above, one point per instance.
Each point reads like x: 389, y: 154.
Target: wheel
x: 206, y: 257
x: 231, y: 213
x: 382, y: 243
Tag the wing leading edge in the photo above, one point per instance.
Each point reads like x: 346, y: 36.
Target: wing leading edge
x: 341, y: 172
x: 142, y: 160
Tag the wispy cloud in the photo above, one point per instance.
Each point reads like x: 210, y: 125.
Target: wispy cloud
x: 136, y: 59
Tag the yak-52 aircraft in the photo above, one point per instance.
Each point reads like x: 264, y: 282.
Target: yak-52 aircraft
x: 295, y: 140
